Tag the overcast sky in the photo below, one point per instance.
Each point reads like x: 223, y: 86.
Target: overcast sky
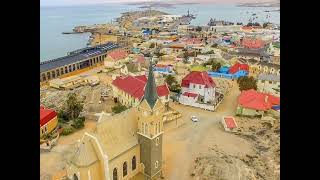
x: 84, y: 2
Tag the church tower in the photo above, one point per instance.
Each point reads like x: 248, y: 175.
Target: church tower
x: 150, y: 129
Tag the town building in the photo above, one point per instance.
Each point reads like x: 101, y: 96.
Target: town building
x: 253, y: 103
x: 229, y: 123
x: 48, y: 121
x: 269, y: 83
x: 163, y: 69
x: 124, y: 145
x: 257, y: 67
x: 129, y: 90
x: 198, y: 90
x: 72, y: 82
x: 75, y: 61
x: 115, y: 58
x: 125, y: 42
x: 67, y: 83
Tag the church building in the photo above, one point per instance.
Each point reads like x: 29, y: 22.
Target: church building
x: 125, y: 145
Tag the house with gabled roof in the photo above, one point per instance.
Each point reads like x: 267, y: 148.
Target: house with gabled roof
x: 199, y: 90
x: 48, y: 120
x: 253, y: 103
x: 129, y: 90
x: 115, y: 58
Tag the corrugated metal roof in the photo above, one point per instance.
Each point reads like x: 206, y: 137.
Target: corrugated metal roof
x: 269, y: 77
x: 76, y: 56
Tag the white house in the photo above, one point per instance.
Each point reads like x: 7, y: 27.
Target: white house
x: 269, y: 83
x: 198, y: 90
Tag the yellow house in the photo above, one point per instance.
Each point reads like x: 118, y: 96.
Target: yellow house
x: 256, y: 68
x: 48, y: 121
x: 129, y: 90
x: 116, y: 58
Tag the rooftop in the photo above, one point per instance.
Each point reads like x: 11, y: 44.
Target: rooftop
x: 269, y: 77
x: 76, y: 56
x: 259, y: 101
x: 196, y: 77
x: 46, y: 115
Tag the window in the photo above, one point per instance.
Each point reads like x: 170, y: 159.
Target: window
x: 43, y: 77
x: 199, y: 86
x: 66, y: 69
x: 146, y: 129
x: 74, y: 67
x: 48, y: 75
x: 42, y: 131
x: 53, y: 74
x: 70, y: 68
x: 115, y: 174
x: 134, y: 163
x: 58, y: 72
x: 125, y: 169
x: 156, y: 164
x: 75, y: 177
x: 194, y: 86
x: 157, y: 141
x: 45, y: 129
x: 142, y: 129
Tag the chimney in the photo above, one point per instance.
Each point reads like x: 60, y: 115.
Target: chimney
x: 266, y: 98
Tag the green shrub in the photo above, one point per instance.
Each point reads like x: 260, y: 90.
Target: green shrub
x: 78, y: 123
x: 67, y: 130
x: 118, y: 108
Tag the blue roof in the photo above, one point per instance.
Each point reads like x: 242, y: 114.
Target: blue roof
x: 77, y: 56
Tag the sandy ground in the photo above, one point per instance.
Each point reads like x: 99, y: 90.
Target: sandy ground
x: 182, y: 145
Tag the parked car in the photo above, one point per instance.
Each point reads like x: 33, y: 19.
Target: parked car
x: 194, y: 119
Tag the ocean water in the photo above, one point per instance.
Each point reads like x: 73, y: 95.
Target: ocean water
x: 55, y: 20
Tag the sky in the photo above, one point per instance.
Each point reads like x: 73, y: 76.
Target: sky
x: 86, y: 2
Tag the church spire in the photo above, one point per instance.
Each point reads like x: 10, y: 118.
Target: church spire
x: 150, y: 91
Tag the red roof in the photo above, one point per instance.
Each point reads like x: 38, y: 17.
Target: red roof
x: 246, y: 27
x: 118, y: 54
x: 252, y: 43
x: 46, y: 115
x: 197, y: 77
x: 163, y: 90
x: 190, y: 94
x: 237, y: 67
x: 140, y: 59
x: 259, y: 101
x: 230, y: 122
x: 192, y: 41
x: 134, y: 85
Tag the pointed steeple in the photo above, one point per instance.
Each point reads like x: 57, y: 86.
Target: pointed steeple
x: 150, y: 91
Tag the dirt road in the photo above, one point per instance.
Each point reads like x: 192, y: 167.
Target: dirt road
x: 182, y: 145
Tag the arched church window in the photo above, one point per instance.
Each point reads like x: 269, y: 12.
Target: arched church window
x: 75, y: 177
x: 115, y: 174
x: 134, y: 163
x: 142, y: 128
x: 146, y: 129
x: 125, y: 169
